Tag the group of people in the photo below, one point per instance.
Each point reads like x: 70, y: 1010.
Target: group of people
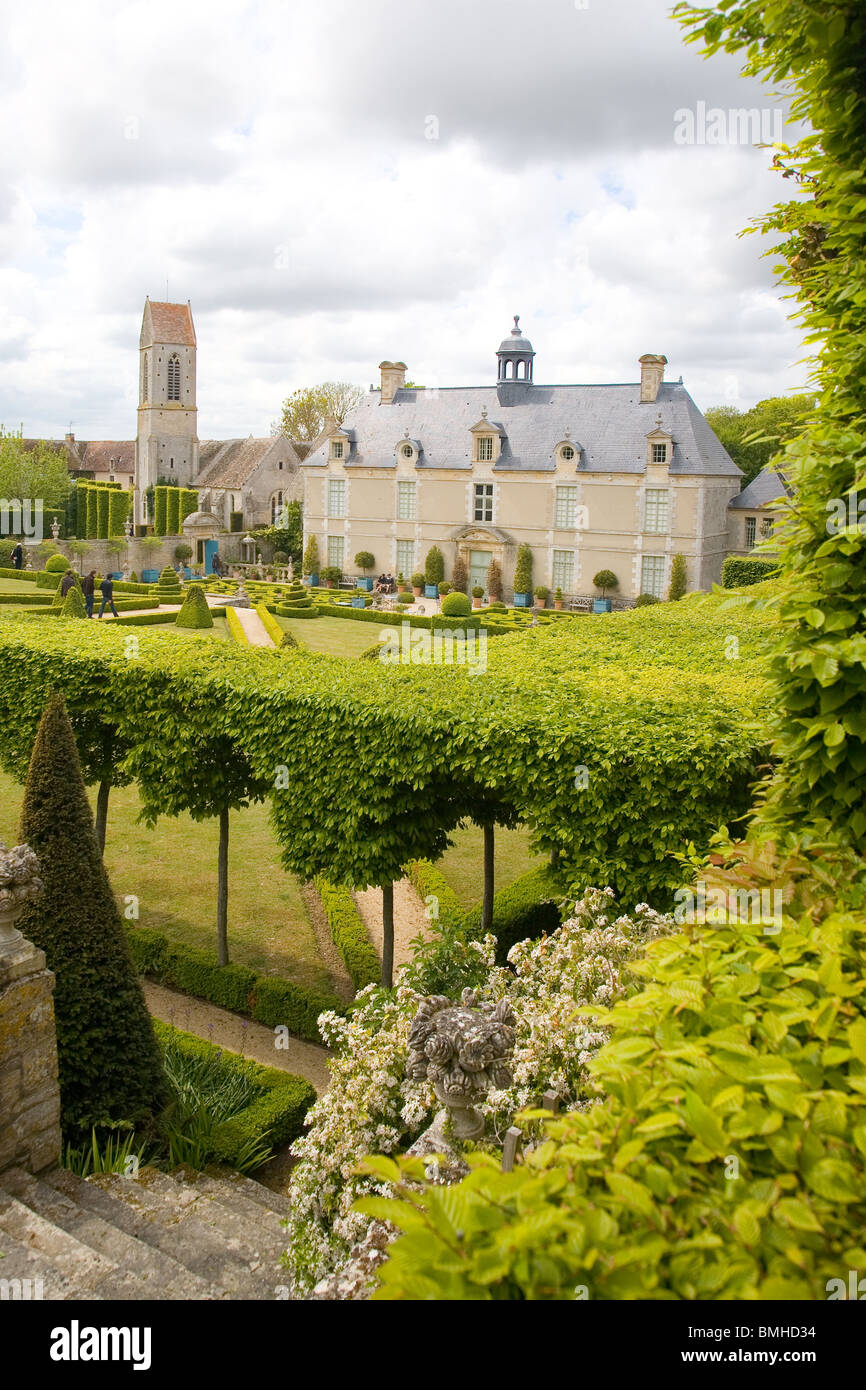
x: 88, y: 589
x: 385, y: 584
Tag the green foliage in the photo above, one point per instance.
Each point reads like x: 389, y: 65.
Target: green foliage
x: 645, y: 600
x: 172, y: 511
x: 250, y: 1109
x: 73, y: 604
x: 107, y: 1152
x: 523, y: 570
x: 110, y: 1069
x: 753, y: 437
x: 306, y: 410
x: 417, y: 581
x: 330, y: 574
x: 57, y: 564
x: 456, y: 605
x: 434, y: 566
x: 160, y: 510
x: 349, y: 933
x: 494, y: 580
x: 119, y: 509
x: 460, y: 575
x: 738, y: 571
x: 274, y: 1002
x: 187, y: 504
x: 194, y: 611
x: 528, y: 908
x: 604, y: 580
x: 30, y: 470
x: 183, y: 551
x: 279, y: 636
x: 365, y: 560
x: 478, y: 592
x: 542, y: 592
x: 678, y: 578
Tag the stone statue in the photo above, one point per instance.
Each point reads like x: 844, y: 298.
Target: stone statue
x: 19, y: 884
x: 463, y: 1050
x: 127, y: 528
x: 55, y: 527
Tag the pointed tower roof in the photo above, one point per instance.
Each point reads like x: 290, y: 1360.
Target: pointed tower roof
x: 167, y: 323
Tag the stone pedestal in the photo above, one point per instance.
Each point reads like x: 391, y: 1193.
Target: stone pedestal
x: 29, y: 1090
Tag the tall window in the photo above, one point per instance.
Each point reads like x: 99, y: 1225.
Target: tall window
x: 566, y: 508
x: 145, y: 379
x: 660, y: 453
x: 563, y: 571
x: 174, y: 377
x: 652, y: 575
x: 751, y: 527
x: 406, y: 506
x: 484, y: 448
x: 336, y: 550
x: 656, y: 510
x: 336, y: 497
x: 483, y: 501
x: 276, y: 507
x: 405, y: 558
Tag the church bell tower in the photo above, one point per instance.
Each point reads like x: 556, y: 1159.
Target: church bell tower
x: 166, y: 446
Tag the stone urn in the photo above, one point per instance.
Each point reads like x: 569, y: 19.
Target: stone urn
x: 462, y: 1050
x: 19, y: 884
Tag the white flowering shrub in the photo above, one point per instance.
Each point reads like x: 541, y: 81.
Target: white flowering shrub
x: 372, y: 1108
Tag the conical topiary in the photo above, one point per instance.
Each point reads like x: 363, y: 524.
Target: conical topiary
x: 73, y: 604
x: 59, y: 598
x: 110, y: 1066
x: 194, y: 611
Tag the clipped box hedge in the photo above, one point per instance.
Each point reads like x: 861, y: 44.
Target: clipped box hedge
x: 29, y: 575
x: 349, y: 933
x: 392, y: 618
x: 429, y: 881
x: 526, y: 909
x: 739, y: 571
x: 266, y: 998
x: 274, y: 1118
x: 40, y: 600
x: 236, y: 630
x: 287, y: 610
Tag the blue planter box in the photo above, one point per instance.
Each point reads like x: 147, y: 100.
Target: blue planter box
x: 187, y: 572
x: 312, y: 581
x: 601, y: 605
x: 431, y: 590
x: 523, y: 600
x: 358, y: 602
x: 366, y: 584
x: 149, y: 576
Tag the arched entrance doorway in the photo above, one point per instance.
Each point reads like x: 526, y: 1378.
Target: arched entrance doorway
x: 478, y: 545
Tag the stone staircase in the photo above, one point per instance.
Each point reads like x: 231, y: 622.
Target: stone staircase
x: 183, y: 1235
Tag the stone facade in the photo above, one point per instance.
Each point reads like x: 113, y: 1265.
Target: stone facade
x: 618, y: 477
x: 29, y: 1091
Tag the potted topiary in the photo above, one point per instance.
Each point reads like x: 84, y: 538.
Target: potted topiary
x: 311, y: 562
x: 494, y: 581
x: 365, y: 560
x: 405, y: 598
x: 605, y: 579
x: 557, y: 599
x: 542, y: 594
x: 402, y: 586
x: 434, y: 572
x: 523, y: 577
x: 477, y: 595
x: 460, y: 576
x: 417, y: 585
x: 331, y: 576
x: 444, y: 588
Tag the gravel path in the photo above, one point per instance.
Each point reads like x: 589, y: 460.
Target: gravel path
x: 256, y: 632
x: 410, y: 919
x: 236, y: 1034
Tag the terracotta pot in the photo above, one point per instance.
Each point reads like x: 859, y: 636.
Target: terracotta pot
x: 476, y: 602
x: 540, y: 602
x: 416, y: 591
x: 557, y: 603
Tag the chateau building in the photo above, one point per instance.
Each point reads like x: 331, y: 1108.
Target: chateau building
x: 619, y: 477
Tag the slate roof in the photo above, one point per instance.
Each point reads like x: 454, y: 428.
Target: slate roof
x: 608, y: 428
x: 171, y: 323
x: 769, y: 486
x: 230, y: 463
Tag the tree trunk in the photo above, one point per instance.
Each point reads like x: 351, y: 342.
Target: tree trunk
x: 387, y: 934
x: 487, y: 901
x: 223, y: 889
x: 102, y: 814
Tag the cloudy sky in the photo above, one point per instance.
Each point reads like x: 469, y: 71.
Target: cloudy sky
x: 335, y: 183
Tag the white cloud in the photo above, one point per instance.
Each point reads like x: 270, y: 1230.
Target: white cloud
x: 271, y: 163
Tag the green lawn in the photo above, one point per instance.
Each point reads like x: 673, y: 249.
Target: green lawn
x: 336, y: 636
x: 18, y: 586
x: 172, y: 870
x: 463, y: 865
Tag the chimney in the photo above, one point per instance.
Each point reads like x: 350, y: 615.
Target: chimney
x: 393, y: 379
x: 652, y: 370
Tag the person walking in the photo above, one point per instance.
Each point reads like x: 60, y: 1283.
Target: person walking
x: 66, y: 583
x: 87, y: 587
x: 18, y: 557
x: 107, y: 589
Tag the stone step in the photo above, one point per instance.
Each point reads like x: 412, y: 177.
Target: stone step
x: 256, y: 1191
x: 164, y: 1277
x: 22, y: 1262
x: 236, y: 1199
x: 260, y: 1244
x: 167, y: 1216
x: 89, y: 1274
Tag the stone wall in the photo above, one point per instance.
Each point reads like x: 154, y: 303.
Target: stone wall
x: 29, y: 1090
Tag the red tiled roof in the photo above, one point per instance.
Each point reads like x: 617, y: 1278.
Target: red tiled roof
x: 172, y: 323
x: 97, y: 455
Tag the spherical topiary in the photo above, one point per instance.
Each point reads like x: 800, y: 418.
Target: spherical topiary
x: 456, y: 605
x: 404, y: 599
x: 57, y: 564
x: 194, y: 611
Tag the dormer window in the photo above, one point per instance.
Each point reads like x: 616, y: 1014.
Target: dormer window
x: 407, y: 451
x: 484, y: 451
x: 660, y: 453
x: 566, y: 453
x: 337, y: 449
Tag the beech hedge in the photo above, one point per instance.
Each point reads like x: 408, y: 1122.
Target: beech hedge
x: 616, y: 742
x: 740, y: 570
x: 349, y: 933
